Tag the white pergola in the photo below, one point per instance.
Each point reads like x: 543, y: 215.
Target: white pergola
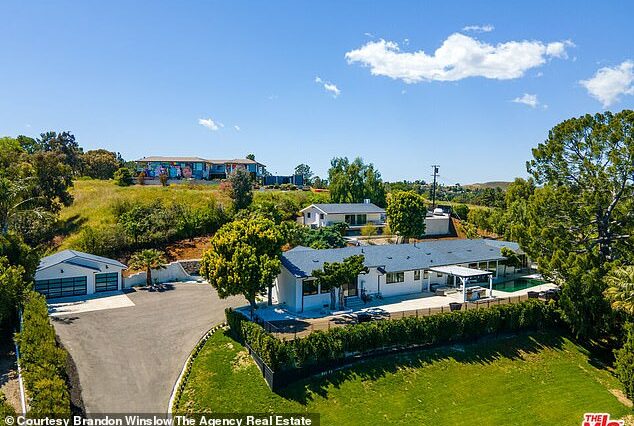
x: 464, y: 274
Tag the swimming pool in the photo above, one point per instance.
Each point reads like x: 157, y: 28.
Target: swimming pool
x: 517, y: 284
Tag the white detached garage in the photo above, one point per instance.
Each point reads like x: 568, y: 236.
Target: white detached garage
x: 73, y: 273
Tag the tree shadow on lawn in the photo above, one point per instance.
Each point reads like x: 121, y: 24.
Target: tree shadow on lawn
x: 485, y: 351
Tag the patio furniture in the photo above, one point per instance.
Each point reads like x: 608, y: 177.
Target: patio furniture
x: 455, y: 306
x: 533, y: 294
x: 363, y: 317
x: 444, y: 291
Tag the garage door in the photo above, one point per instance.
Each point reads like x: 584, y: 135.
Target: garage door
x: 62, y: 287
x: 107, y: 282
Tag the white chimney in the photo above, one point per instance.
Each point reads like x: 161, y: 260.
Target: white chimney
x: 366, y: 201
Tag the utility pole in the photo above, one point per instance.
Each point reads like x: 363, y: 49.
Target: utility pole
x: 433, y: 188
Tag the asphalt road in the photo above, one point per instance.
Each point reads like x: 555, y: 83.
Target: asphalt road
x: 128, y: 359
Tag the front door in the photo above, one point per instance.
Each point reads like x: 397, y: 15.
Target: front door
x: 350, y: 289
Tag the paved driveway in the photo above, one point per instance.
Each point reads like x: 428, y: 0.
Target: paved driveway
x: 128, y: 358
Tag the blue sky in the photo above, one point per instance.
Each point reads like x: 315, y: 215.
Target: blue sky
x: 141, y: 77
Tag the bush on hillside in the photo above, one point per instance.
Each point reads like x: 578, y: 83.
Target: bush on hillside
x: 43, y: 362
x: 337, y: 343
x: 123, y: 177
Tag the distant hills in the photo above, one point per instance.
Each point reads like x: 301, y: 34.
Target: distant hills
x: 494, y: 184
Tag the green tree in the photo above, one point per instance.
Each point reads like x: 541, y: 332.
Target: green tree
x: 241, y: 189
x: 164, y: 178
x: 461, y: 211
x: 406, y: 212
x: 251, y: 157
x: 101, y: 163
x: 244, y: 258
x: 512, y: 258
x: 123, y: 177
x: 624, y: 364
x: 148, y: 260
x: 63, y: 143
x: 33, y: 188
x: 353, y: 182
x: 519, y: 190
x: 580, y: 221
x: 12, y: 289
x: 620, y: 289
x: 304, y: 171
x: 332, y: 276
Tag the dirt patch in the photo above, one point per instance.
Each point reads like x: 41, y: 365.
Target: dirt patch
x: 621, y: 397
x: 241, y: 361
x: 185, y: 249
x: 9, y: 385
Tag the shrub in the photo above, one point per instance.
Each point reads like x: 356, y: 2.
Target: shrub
x: 5, y: 408
x: 337, y: 343
x: 163, y: 178
x: 368, y: 230
x: 461, y: 211
x: 141, y: 178
x: 109, y: 240
x: 43, y: 362
x: 123, y: 177
x: 625, y: 363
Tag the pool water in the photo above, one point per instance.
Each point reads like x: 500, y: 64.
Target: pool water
x: 517, y: 284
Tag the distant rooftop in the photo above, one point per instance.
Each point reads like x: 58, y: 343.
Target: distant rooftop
x: 303, y: 261
x: 343, y: 208
x: 166, y: 159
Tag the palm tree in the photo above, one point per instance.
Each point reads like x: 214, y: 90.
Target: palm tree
x: 620, y: 289
x: 148, y: 259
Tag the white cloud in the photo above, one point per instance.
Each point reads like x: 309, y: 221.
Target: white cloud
x: 369, y: 35
x: 608, y: 84
x: 328, y: 86
x: 526, y: 99
x: 210, y: 124
x: 237, y: 127
x: 459, y: 57
x: 479, y: 28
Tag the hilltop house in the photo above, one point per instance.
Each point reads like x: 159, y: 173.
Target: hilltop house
x: 73, y: 273
x: 356, y: 215
x: 394, y: 270
x: 196, y: 167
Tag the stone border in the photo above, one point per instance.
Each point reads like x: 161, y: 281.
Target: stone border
x: 181, y: 381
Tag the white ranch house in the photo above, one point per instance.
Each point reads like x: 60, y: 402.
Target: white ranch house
x: 356, y: 215
x: 396, y: 269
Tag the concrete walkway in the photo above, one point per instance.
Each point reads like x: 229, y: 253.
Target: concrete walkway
x: 129, y: 359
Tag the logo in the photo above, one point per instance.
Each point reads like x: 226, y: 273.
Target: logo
x: 600, y: 419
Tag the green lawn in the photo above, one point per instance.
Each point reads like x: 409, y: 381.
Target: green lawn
x: 529, y: 379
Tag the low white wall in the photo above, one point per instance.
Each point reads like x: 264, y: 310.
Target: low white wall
x: 173, y: 272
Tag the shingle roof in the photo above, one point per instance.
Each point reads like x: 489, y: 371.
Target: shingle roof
x: 342, y: 208
x: 76, y: 258
x: 173, y: 159
x: 158, y: 158
x: 400, y: 257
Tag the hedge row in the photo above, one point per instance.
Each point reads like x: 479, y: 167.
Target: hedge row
x: 42, y: 361
x: 340, y: 342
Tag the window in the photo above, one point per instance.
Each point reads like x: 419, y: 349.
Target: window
x: 322, y: 290
x: 309, y: 287
x: 321, y: 216
x: 60, y: 287
x: 308, y: 215
x: 106, y: 282
x: 439, y: 274
x: 416, y: 275
x: 425, y: 274
x: 394, y: 277
x: 362, y: 219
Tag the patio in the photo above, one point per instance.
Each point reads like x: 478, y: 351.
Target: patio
x: 285, y: 324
